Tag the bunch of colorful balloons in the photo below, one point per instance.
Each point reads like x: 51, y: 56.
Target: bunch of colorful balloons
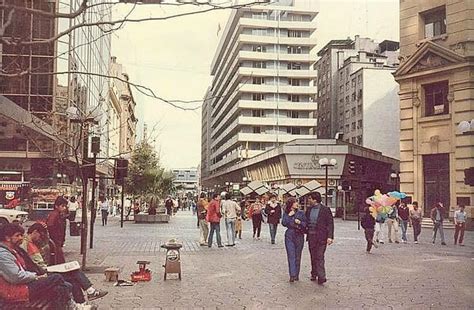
x: 381, y: 204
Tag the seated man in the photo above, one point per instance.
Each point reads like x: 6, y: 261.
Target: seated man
x: 17, y: 284
x: 77, y: 278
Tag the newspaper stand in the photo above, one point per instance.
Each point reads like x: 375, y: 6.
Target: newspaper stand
x: 143, y: 274
x: 173, y: 258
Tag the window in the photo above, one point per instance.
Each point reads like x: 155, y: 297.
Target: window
x: 294, y: 66
x: 436, y: 101
x: 353, y: 126
x: 348, y: 115
x: 346, y: 128
x: 294, y: 49
x: 359, y: 79
x: 259, y: 32
x: 293, y: 130
x: 259, y: 64
x: 353, y: 82
x: 359, y: 140
x: 353, y: 96
x: 353, y: 140
x: 258, y: 80
x: 294, y: 98
x: 258, y: 97
x: 294, y: 34
x: 257, y: 113
x: 359, y: 124
x: 259, y: 48
x: 435, y: 22
x: 294, y: 114
x: 256, y: 130
x: 294, y: 82
x: 353, y: 112
x: 259, y: 15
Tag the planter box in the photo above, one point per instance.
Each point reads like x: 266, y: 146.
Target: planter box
x: 146, y: 218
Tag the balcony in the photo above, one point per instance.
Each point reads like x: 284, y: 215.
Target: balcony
x: 283, y: 105
x: 282, y: 121
x: 272, y: 72
x: 263, y: 39
x: 286, y: 89
x: 269, y: 23
x: 250, y: 55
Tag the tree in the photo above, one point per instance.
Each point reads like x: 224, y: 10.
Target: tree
x: 146, y: 178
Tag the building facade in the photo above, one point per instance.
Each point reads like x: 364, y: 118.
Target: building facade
x: 262, y: 93
x: 185, y: 182
x: 436, y: 78
x: 122, y: 119
x: 355, y: 89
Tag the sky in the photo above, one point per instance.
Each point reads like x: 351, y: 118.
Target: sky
x: 173, y: 58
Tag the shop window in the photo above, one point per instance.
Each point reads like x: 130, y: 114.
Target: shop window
x: 436, y: 101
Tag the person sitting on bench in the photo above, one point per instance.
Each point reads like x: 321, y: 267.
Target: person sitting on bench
x: 77, y: 278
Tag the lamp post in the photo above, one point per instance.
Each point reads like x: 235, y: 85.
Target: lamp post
x: 227, y: 186
x: 326, y: 163
x: 394, y: 176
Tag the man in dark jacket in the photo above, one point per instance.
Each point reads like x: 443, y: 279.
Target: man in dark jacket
x: 56, y: 223
x: 437, y: 216
x: 320, y: 235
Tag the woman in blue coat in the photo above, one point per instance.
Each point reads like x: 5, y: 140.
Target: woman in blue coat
x: 295, y: 220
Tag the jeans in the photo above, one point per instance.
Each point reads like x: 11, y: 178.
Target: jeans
x: 105, y: 213
x: 217, y: 228
x: 294, y: 242
x: 438, y: 226
x: 316, y: 252
x: 416, y: 228
x: 459, y: 232
x: 404, y: 226
x: 392, y: 223
x: 273, y: 231
x: 379, y: 227
x: 79, y: 283
x: 369, y: 236
x: 257, y: 224
x: 230, y: 228
x: 53, y: 288
x: 204, y: 231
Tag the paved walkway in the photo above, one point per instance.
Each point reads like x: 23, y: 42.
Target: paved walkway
x: 254, y: 274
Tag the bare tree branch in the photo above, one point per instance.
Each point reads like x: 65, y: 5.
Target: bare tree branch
x: 212, y: 7
x: 82, y: 8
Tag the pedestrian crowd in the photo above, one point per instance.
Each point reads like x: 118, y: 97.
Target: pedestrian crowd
x: 316, y: 224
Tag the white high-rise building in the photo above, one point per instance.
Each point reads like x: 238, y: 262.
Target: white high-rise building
x: 262, y: 93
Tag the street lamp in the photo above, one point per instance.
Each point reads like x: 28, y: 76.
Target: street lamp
x: 466, y: 127
x: 324, y: 162
x: 394, y: 177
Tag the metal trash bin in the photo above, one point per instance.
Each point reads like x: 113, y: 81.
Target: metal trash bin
x: 74, y: 228
x: 173, y: 258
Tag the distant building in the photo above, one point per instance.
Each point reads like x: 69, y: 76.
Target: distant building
x: 357, y: 94
x: 185, y: 181
x: 262, y: 93
x: 122, y: 125
x: 436, y: 77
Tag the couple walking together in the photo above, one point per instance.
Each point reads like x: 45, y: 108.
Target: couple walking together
x: 318, y: 225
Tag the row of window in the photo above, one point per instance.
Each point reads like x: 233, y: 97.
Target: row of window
x: 289, y: 130
x: 291, y: 97
x: 258, y: 80
x: 289, y: 65
x: 291, y: 49
x: 290, y: 114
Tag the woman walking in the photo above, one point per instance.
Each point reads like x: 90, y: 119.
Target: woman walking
x: 295, y: 220
x: 255, y: 213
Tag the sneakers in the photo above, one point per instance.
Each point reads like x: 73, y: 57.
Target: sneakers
x: 397, y: 241
x: 375, y: 244
x: 416, y: 242
x: 381, y: 242
x: 461, y: 244
x: 85, y: 307
x: 443, y: 243
x: 322, y: 281
x: 97, y: 294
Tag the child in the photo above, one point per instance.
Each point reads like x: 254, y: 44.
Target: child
x: 238, y: 225
x: 368, y: 223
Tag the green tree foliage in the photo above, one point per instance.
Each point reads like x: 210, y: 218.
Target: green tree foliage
x: 146, y: 178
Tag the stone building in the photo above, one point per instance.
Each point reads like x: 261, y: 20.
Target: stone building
x: 436, y: 77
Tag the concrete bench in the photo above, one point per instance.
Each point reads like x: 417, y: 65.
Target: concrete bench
x: 146, y: 218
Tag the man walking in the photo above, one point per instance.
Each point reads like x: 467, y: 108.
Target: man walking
x: 230, y: 209
x: 320, y: 235
x: 169, y: 205
x: 392, y: 225
x: 460, y: 225
x: 201, y: 213
x: 437, y: 216
x: 214, y: 218
x: 415, y: 217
